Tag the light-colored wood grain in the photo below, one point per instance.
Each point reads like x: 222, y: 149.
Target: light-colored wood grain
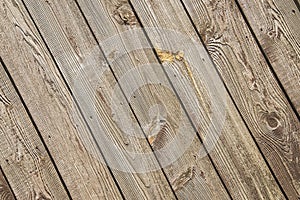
x: 51, y: 106
x: 71, y: 44
x: 253, y: 87
x: 186, y: 172
x: 239, y: 170
x: 5, y: 191
x: 24, y: 158
x: 276, y: 26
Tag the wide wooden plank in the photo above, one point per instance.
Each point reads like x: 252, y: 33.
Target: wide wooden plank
x: 51, y: 107
x: 24, y: 159
x: 5, y: 191
x: 253, y: 87
x: 72, y: 46
x: 276, y: 26
x: 230, y: 163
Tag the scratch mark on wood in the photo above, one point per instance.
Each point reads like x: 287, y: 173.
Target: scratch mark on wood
x: 183, y: 178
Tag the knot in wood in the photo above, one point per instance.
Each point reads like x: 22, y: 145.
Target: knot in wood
x: 124, y: 15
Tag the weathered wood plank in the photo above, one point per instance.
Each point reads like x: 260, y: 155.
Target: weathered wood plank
x: 276, y: 26
x: 24, y: 158
x: 235, y: 167
x: 51, y: 106
x: 71, y: 43
x: 252, y: 85
x: 5, y: 191
x: 185, y: 173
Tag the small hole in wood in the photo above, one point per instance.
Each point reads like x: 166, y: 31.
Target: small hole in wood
x: 293, y: 11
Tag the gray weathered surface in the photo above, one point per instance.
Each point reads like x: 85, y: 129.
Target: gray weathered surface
x: 164, y: 16
x: 64, y: 30
x: 253, y: 87
x: 24, y: 158
x: 51, y: 52
x: 276, y: 26
x: 51, y: 107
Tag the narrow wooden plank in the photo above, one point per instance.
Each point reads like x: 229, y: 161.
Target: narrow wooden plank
x: 71, y: 43
x: 51, y: 107
x: 239, y: 170
x: 253, y: 87
x: 24, y: 158
x: 5, y: 191
x: 276, y: 26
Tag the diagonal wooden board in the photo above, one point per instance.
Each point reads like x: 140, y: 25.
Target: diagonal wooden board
x: 24, y: 158
x: 52, y: 109
x: 277, y: 29
x: 232, y: 173
x: 253, y: 86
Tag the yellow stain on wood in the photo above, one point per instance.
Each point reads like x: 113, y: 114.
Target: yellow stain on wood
x: 165, y: 56
x: 151, y: 139
x: 168, y: 56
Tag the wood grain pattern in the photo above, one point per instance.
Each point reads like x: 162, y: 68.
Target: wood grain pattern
x: 122, y: 16
x: 277, y: 29
x: 184, y: 173
x: 52, y: 108
x: 24, y: 158
x: 64, y: 30
x: 253, y: 87
x: 5, y: 191
x: 83, y: 99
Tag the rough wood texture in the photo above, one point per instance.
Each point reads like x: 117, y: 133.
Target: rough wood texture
x: 122, y: 16
x: 64, y: 30
x: 186, y: 172
x: 276, y: 26
x: 24, y: 158
x: 5, y: 191
x: 51, y: 106
x: 253, y: 87
x: 153, y: 102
